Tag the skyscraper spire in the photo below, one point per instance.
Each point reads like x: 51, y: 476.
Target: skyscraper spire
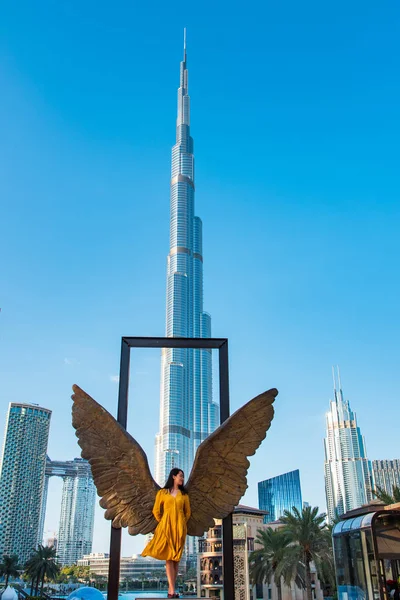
x: 338, y: 372
x: 183, y: 98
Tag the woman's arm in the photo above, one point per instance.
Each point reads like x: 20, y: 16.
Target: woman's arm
x: 186, y: 507
x: 158, y: 506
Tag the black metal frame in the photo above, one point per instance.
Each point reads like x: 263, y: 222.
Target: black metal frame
x: 220, y: 344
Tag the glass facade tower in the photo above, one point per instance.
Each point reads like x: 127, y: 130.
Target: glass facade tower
x: 278, y: 494
x: 187, y: 412
x: 22, y: 479
x: 347, y: 471
x: 75, y: 535
x: 386, y: 475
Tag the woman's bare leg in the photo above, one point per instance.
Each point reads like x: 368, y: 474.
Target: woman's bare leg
x: 171, y: 575
x: 176, y: 565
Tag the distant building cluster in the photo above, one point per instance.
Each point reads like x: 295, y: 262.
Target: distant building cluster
x: 350, y: 481
x: 24, y: 476
x: 350, y: 478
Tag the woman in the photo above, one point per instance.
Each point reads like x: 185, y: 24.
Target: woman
x: 172, y: 511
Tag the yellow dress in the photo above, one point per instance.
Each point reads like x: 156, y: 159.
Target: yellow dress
x: 172, y: 514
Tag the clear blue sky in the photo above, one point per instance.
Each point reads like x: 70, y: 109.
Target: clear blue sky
x: 295, y: 117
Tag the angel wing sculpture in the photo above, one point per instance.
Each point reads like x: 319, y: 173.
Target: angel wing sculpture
x: 122, y: 476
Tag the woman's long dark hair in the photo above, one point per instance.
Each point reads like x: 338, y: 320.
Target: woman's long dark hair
x: 170, y: 481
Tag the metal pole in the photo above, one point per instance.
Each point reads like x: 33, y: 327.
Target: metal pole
x: 246, y: 564
x: 227, y: 531
x: 201, y: 343
x: 122, y: 418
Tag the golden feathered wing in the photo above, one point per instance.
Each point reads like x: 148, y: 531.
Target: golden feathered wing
x: 121, y: 471
x: 218, y: 477
x: 119, y: 466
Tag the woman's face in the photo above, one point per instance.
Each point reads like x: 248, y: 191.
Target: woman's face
x: 178, y: 479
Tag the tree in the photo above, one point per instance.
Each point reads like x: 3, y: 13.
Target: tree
x: 309, y: 539
x: 326, y: 567
x: 67, y: 574
x: 100, y: 581
x: 274, y: 560
x: 83, y: 573
x: 73, y: 573
x: 191, y: 573
x: 386, y: 498
x: 42, y: 564
x: 9, y: 567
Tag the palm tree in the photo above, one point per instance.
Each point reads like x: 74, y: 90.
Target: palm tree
x: 42, y: 564
x: 386, y: 498
x: 307, y: 533
x: 30, y: 573
x: 273, y: 560
x: 326, y: 566
x: 9, y: 567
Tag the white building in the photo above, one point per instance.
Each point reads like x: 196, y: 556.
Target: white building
x: 75, y: 535
x: 347, y: 474
x: 132, y: 567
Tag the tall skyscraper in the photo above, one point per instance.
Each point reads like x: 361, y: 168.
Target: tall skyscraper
x: 386, y: 475
x: 347, y: 473
x: 187, y: 412
x: 22, y: 479
x: 280, y: 493
x: 75, y: 534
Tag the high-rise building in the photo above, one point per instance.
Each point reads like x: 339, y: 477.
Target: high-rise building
x: 187, y: 412
x: 22, y: 479
x: 50, y: 539
x: 347, y: 473
x: 386, y: 475
x: 75, y: 534
x: 280, y: 493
